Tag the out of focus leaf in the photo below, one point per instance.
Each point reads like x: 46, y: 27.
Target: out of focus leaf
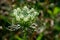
x: 50, y: 12
x: 56, y: 10
x: 57, y: 28
x: 18, y: 38
x: 40, y: 36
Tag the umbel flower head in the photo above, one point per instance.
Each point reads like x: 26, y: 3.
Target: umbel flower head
x: 25, y: 16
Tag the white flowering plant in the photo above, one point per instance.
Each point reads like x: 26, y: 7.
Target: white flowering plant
x: 25, y: 16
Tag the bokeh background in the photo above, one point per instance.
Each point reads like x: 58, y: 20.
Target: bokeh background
x: 48, y: 21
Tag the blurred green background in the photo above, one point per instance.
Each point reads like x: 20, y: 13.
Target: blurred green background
x: 48, y: 20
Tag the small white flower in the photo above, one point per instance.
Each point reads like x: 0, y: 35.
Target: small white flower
x: 25, y: 7
x: 21, y: 16
x: 32, y: 10
x: 28, y: 11
x: 35, y: 12
x: 18, y: 10
x: 29, y: 16
x: 26, y: 19
x: 17, y: 18
x: 14, y: 12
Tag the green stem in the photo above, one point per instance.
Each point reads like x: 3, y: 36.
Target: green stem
x: 25, y: 34
x: 11, y: 36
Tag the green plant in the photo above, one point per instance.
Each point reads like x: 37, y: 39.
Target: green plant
x: 53, y: 13
x: 22, y: 18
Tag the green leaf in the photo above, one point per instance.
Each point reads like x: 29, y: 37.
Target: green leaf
x: 56, y: 10
x: 17, y: 37
x: 50, y: 12
x: 40, y: 36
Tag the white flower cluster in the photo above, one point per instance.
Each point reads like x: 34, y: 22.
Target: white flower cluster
x: 25, y: 14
